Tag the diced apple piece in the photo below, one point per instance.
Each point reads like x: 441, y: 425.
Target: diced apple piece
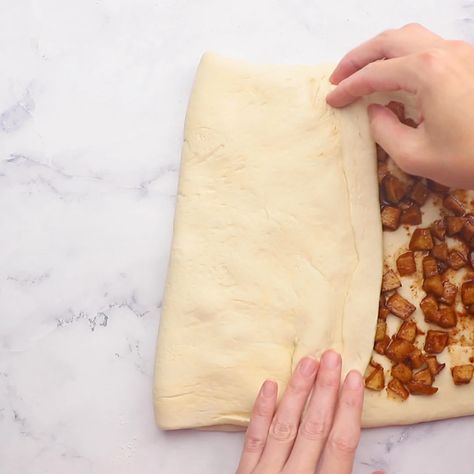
x: 434, y: 285
x: 381, y: 346
x: 399, y: 306
x: 421, y: 240
x: 449, y: 293
x: 390, y: 217
x: 416, y: 359
x: 394, y: 189
x: 407, y: 331
x: 467, y: 292
x: 418, y: 388
x: 437, y: 187
x: 429, y: 306
x: 452, y: 203
x: 419, y: 193
x: 467, y: 232
x: 433, y: 365
x: 440, y: 251
x: 438, y: 229
x: 399, y: 350
x: 411, y: 216
x: 454, y: 225
x: 381, y: 330
x: 396, y: 389
x: 462, y: 374
x: 456, y: 259
x: 383, y: 312
x: 390, y: 281
x: 430, y: 266
x: 376, y: 380
x: 447, y: 317
x: 435, y: 341
x: 402, y: 372
x: 423, y: 376
x: 406, y: 264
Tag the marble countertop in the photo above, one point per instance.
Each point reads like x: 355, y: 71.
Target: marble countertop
x: 92, y: 103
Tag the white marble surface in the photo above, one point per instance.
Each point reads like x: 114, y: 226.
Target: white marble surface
x: 92, y: 102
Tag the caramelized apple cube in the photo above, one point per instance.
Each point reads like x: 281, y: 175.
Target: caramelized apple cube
x: 449, y: 293
x: 376, y: 380
x: 434, y: 285
x: 440, y: 251
x: 467, y: 232
x: 456, y: 259
x: 419, y: 193
x: 381, y: 346
x: 381, y: 330
x: 467, y: 292
x: 402, y: 372
x: 406, y: 264
x: 416, y: 359
x: 462, y: 374
x: 430, y: 266
x: 418, y: 388
x: 423, y: 376
x: 383, y: 312
x: 411, y: 216
x: 436, y: 341
x: 399, y: 306
x: 447, y: 317
x: 394, y: 189
x: 429, y: 306
x: 390, y: 217
x: 421, y: 240
x: 396, y: 389
x: 438, y: 229
x: 433, y: 365
x: 399, y: 350
x: 437, y: 187
x: 390, y: 281
x: 454, y: 225
x: 452, y: 203
x: 407, y: 331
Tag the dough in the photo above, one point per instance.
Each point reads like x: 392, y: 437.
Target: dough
x: 277, y: 249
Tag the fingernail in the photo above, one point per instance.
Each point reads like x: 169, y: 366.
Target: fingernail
x: 307, y: 366
x: 269, y: 388
x: 354, y: 380
x: 330, y: 359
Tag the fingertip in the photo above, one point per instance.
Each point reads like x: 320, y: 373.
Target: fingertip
x: 354, y: 380
x: 269, y: 389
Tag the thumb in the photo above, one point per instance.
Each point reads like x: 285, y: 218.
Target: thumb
x: 400, y: 141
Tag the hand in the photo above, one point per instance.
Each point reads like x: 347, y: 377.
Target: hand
x: 440, y: 74
x: 293, y: 440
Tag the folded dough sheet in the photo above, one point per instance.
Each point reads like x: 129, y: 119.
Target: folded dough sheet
x: 277, y: 248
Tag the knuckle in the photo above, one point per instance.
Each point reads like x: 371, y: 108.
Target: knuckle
x: 413, y: 27
x: 343, y: 445
x: 329, y: 381
x: 282, y: 431
x: 460, y: 46
x: 254, y: 444
x: 263, y: 410
x: 433, y: 59
x: 296, y: 387
x: 314, y: 430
